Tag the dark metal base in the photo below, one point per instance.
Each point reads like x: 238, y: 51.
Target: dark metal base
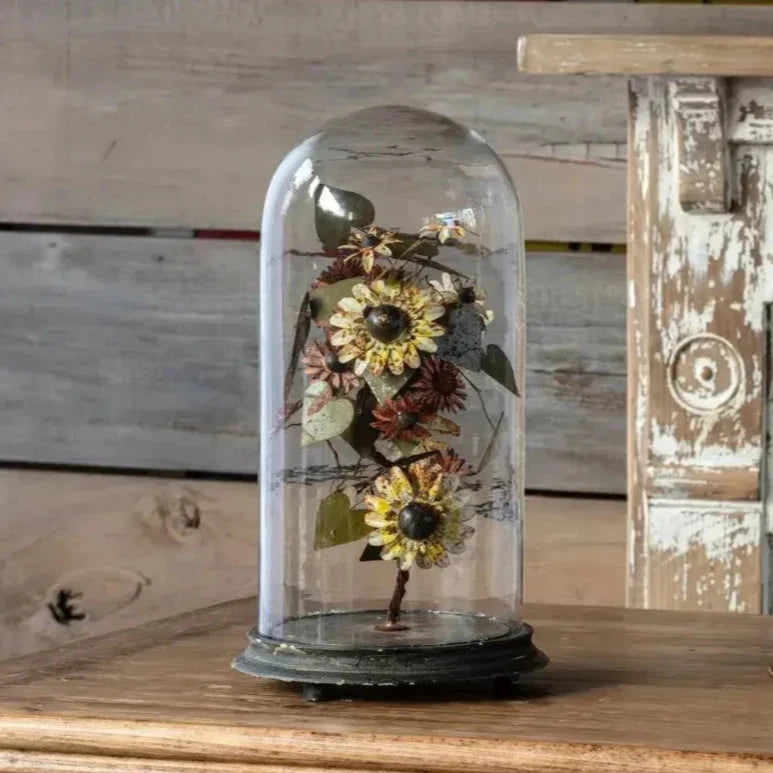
x: 322, y: 667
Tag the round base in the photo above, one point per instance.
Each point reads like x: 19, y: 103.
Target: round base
x: 361, y: 655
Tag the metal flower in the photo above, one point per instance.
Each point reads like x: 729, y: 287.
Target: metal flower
x: 366, y: 244
x: 343, y: 268
x: 418, y: 515
x: 440, y: 386
x: 447, y: 230
x: 384, y: 324
x: 406, y: 419
x: 453, y: 292
x: 323, y: 364
x: 452, y: 464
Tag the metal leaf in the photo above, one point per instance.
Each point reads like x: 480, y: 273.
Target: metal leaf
x: 495, y: 364
x: 324, y: 300
x: 386, y: 384
x: 302, y: 327
x: 336, y: 211
x: 325, y: 422
x: 421, y: 252
x: 337, y: 523
x: 360, y: 435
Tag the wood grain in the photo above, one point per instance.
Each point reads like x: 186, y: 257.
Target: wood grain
x: 699, y: 280
x: 141, y: 352
x: 723, y: 55
x: 176, y: 114
x: 628, y: 691
x: 704, y: 555
x: 130, y: 549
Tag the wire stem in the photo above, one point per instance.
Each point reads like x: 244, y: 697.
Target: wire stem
x: 393, y: 610
x: 480, y: 397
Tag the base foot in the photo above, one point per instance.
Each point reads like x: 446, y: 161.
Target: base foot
x: 505, y: 686
x: 317, y: 693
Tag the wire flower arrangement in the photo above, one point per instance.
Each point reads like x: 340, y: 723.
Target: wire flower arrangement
x: 387, y: 336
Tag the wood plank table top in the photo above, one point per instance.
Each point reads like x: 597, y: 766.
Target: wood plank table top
x: 626, y: 691
x: 720, y: 55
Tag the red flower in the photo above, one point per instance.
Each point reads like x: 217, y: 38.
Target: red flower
x: 440, y: 386
x: 451, y: 463
x: 322, y: 364
x: 402, y: 419
x: 344, y: 268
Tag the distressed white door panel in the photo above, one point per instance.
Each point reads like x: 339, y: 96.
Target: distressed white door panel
x: 704, y: 555
x: 700, y: 275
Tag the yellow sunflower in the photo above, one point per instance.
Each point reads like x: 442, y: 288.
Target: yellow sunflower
x: 384, y: 324
x: 418, y: 515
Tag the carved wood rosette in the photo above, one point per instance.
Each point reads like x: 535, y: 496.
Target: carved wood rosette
x: 699, y: 278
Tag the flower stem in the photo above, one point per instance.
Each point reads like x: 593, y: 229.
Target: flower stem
x: 482, y: 401
x: 393, y: 610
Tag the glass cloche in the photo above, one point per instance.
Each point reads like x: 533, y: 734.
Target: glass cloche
x: 392, y: 425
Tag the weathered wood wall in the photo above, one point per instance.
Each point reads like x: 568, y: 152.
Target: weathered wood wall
x: 141, y: 353
x: 158, y: 112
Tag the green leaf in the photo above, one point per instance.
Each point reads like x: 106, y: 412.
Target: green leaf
x: 325, y: 422
x: 495, y: 364
x: 337, y: 523
x: 360, y: 435
x: 420, y: 247
x: 387, y: 384
x: 324, y: 300
x: 302, y: 327
x: 486, y: 458
x: 336, y: 211
x: 421, y: 252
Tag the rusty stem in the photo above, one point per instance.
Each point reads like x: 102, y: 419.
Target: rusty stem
x: 393, y: 610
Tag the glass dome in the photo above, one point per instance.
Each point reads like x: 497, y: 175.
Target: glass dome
x: 392, y: 363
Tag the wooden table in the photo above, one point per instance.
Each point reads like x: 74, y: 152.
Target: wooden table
x: 627, y: 690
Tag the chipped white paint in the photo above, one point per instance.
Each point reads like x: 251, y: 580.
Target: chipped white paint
x: 722, y: 538
x: 751, y: 112
x: 697, y: 339
x: 665, y: 447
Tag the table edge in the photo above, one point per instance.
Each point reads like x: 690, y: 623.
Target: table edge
x: 30, y: 738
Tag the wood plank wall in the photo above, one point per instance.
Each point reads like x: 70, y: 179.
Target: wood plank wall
x: 141, y: 353
x: 129, y: 352
x: 157, y: 112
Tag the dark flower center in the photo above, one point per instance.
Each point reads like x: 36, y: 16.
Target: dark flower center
x: 467, y: 295
x: 369, y: 240
x: 407, y: 419
x: 386, y: 323
x: 334, y: 364
x: 418, y: 521
x: 446, y: 383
